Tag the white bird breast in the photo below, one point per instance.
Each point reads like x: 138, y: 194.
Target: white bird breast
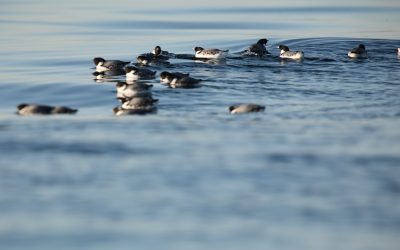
x: 164, y: 80
x: 292, y: 54
x: 208, y: 55
x: 131, y: 76
x: 100, y: 68
x: 356, y: 55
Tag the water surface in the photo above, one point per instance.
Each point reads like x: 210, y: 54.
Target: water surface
x: 319, y: 169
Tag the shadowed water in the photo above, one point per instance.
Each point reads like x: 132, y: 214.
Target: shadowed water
x: 318, y: 169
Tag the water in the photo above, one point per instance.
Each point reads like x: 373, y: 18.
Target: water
x: 319, y: 169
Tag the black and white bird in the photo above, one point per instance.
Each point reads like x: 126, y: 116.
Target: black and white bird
x: 186, y: 82
x: 134, y: 73
x: 138, y: 103
x: 161, y: 54
x: 359, y: 52
x: 286, y: 53
x: 246, y: 108
x: 144, y: 60
x: 257, y: 49
x: 37, y: 109
x: 136, y: 89
x: 103, y: 65
x: 179, y: 80
x: 210, y: 53
x: 167, y: 77
x: 156, y: 57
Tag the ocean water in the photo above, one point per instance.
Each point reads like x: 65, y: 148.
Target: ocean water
x: 319, y: 169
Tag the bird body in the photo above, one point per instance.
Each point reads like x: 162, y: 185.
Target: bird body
x: 210, y: 53
x: 134, y: 74
x: 103, y: 65
x: 246, y: 108
x: 179, y: 80
x: 288, y: 54
x: 138, y: 103
x: 257, y: 49
x: 184, y: 82
x: 167, y: 77
x: 37, y: 109
x: 359, y: 52
x: 125, y: 90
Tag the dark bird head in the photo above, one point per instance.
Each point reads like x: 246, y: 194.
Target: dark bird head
x: 361, y: 46
x: 22, y: 105
x: 141, y: 59
x: 231, y: 108
x: 283, y: 47
x: 157, y: 51
x: 263, y: 41
x: 130, y: 69
x: 98, y: 60
x: 198, y: 49
x: 164, y: 74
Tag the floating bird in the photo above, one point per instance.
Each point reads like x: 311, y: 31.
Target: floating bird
x: 161, y: 54
x: 359, y: 52
x: 36, y: 109
x: 245, y: 108
x: 186, y: 82
x: 257, y: 49
x: 167, y: 77
x: 145, y: 60
x: 149, y: 60
x: 179, y: 80
x: 103, y: 65
x: 156, y: 57
x: 287, y: 54
x: 125, y: 90
x: 133, y: 73
x: 138, y: 103
x: 210, y: 53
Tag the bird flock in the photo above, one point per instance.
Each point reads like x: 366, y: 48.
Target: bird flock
x: 136, y: 97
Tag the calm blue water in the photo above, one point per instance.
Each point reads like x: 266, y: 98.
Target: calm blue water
x: 319, y: 169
